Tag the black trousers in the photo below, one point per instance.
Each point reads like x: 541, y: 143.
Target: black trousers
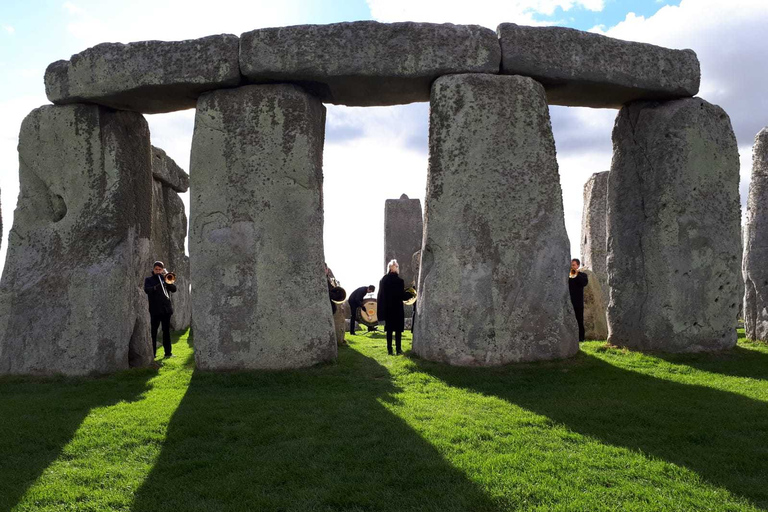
x: 353, y: 307
x: 166, y: 321
x: 398, y: 346
x: 579, y: 310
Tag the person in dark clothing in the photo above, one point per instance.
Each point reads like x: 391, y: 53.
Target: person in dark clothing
x: 356, y: 301
x: 160, y: 307
x: 390, y: 305
x: 576, y: 283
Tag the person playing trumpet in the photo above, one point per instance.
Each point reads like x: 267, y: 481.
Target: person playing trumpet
x: 576, y: 283
x: 158, y: 288
x: 389, y: 304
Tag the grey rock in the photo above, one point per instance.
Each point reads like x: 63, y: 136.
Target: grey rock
x: 146, y: 76
x: 594, y: 224
x: 493, y: 286
x: 71, y: 295
x: 674, y: 246
x: 595, y: 306
x: 403, y: 227
x: 165, y: 169
x: 339, y: 325
x: 260, y: 297
x: 755, y: 263
x: 366, y: 63
x: 583, y: 69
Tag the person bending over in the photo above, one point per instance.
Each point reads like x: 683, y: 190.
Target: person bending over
x: 160, y: 307
x: 356, y: 301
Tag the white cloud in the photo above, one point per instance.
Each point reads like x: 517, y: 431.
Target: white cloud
x: 9, y: 29
x: 488, y: 13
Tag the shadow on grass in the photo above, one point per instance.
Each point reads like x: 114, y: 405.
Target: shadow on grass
x: 39, y: 417
x: 719, y: 435
x: 316, y: 439
x: 736, y: 362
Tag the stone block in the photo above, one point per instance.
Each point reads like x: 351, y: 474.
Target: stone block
x: 403, y: 228
x: 755, y: 262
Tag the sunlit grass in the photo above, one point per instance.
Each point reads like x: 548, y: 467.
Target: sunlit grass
x: 607, y: 430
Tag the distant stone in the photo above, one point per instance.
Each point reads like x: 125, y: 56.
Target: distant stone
x: 492, y: 287
x: 148, y: 76
x: 673, y: 228
x: 403, y: 226
x: 339, y: 325
x: 582, y: 69
x: 367, y: 63
x: 595, y: 306
x: 755, y: 263
x: 594, y: 224
x: 260, y: 296
x: 165, y: 169
x: 71, y: 294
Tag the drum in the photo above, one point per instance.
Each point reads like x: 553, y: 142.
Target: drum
x: 366, y: 315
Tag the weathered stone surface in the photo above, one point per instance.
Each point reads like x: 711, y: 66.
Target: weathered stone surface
x: 146, y: 76
x: 594, y: 224
x: 339, y: 325
x: 366, y: 63
x: 583, y: 69
x: 595, y: 307
x: 403, y: 227
x: 492, y: 287
x: 755, y: 263
x: 673, y: 228
x: 71, y: 295
x: 165, y: 169
x: 260, y: 297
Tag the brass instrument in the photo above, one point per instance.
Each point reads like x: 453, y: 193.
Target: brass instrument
x: 573, y: 274
x: 411, y: 300
x: 337, y: 293
x: 169, y: 277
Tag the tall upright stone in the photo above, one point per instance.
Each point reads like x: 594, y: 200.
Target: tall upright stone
x: 169, y: 231
x: 403, y: 226
x: 260, y: 298
x: 755, y: 263
x: 493, y: 283
x: 673, y: 228
x: 71, y: 295
x: 594, y: 249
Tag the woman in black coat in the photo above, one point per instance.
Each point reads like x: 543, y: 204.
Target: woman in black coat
x: 389, y: 305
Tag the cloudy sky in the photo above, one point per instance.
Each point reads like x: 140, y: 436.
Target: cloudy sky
x: 377, y: 153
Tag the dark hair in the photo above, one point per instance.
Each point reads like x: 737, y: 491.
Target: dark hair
x: 578, y: 262
x: 371, y: 288
x: 158, y: 264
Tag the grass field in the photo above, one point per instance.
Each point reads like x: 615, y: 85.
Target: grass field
x: 606, y: 430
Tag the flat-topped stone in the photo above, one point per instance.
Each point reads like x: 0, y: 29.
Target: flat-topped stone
x: 166, y: 170
x: 582, y: 69
x: 755, y: 237
x: 367, y: 63
x: 147, y: 76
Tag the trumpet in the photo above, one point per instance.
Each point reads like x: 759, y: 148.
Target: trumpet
x: 169, y: 277
x: 337, y: 293
x: 411, y: 300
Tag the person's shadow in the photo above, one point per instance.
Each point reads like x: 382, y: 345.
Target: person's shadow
x: 720, y: 435
x: 314, y: 439
x: 38, y: 417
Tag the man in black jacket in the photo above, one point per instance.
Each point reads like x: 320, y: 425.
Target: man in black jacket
x: 160, y: 308
x: 356, y: 301
x: 576, y: 283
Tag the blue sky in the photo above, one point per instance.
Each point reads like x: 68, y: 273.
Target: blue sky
x: 374, y: 154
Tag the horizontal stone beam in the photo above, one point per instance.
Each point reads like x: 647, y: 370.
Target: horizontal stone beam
x: 582, y: 69
x: 148, y: 76
x: 366, y: 63
x: 166, y: 170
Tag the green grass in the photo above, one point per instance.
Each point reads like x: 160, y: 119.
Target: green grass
x: 606, y: 430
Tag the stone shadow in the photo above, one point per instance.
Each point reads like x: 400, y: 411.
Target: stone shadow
x: 314, y: 439
x: 721, y: 436
x: 39, y: 417
x: 736, y: 362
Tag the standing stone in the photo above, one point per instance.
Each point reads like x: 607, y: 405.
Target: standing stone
x: 673, y: 228
x: 594, y: 250
x: 169, y: 232
x: 260, y: 296
x: 595, y: 307
x: 71, y: 295
x: 755, y: 264
x: 339, y: 325
x: 493, y: 283
x: 403, y: 227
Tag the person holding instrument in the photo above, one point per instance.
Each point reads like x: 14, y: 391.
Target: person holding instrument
x: 576, y: 283
x: 392, y: 293
x: 158, y: 288
x: 356, y: 301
